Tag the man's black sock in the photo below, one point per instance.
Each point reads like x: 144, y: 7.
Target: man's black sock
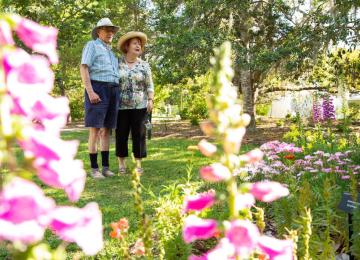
x: 105, y: 158
x: 93, y: 160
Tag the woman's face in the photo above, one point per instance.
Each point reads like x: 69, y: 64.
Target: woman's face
x: 135, y: 47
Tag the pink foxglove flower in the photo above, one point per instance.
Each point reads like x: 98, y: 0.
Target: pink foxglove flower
x: 253, y: 156
x: 67, y: 174
x: 200, y: 201
x: 223, y: 251
x: 206, y: 148
x: 215, y: 172
x: 268, y: 191
x: 243, y: 235
x: 197, y: 228
x: 5, y: 34
x: 276, y: 249
x: 46, y: 147
x: 41, y: 39
x: 82, y: 226
x: 24, y: 212
x: 27, y: 76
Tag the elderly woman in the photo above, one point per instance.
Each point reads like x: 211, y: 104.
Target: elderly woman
x: 136, y: 99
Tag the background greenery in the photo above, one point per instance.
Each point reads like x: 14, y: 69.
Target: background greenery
x: 274, y: 42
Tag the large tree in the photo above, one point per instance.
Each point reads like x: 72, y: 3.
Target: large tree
x: 265, y: 34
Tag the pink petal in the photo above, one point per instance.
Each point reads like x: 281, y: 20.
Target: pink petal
x: 206, y: 148
x: 243, y: 235
x: 253, y: 156
x: 28, y: 224
x: 268, y: 191
x: 197, y: 228
x: 82, y: 226
x: 27, y: 76
x: 5, y: 34
x: 200, y: 201
x: 223, y: 251
x: 47, y: 147
x: 215, y: 172
x: 65, y: 174
x: 276, y: 249
x: 41, y: 39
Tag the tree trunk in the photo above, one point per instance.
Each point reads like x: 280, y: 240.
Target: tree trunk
x: 246, y: 83
x: 248, y: 97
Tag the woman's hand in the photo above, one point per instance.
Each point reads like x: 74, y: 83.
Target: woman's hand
x: 150, y: 105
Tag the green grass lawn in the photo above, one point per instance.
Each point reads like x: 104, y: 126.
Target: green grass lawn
x: 166, y: 164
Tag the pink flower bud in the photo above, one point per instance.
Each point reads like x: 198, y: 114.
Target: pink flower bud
x: 197, y: 228
x: 206, y: 148
x: 200, y: 201
x: 253, y: 156
x: 268, y: 191
x: 207, y: 127
x: 215, y: 172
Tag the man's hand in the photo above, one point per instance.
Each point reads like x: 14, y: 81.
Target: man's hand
x: 94, y: 98
x: 150, y: 105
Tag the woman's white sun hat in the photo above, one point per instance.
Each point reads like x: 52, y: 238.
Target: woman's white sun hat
x: 103, y: 22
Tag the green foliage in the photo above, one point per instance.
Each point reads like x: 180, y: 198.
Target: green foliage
x: 337, y: 69
x: 189, y: 97
x: 263, y: 109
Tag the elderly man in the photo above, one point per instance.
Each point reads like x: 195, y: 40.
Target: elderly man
x: 100, y: 74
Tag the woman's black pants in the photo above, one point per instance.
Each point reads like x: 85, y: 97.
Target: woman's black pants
x: 131, y: 120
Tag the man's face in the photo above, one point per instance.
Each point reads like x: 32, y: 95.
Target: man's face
x: 106, y: 34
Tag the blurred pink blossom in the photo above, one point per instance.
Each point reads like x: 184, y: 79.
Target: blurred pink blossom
x: 5, y: 34
x: 276, y: 249
x: 24, y: 212
x: 82, y: 226
x: 253, y: 156
x: 200, y: 201
x: 244, y: 201
x: 138, y: 249
x: 27, y: 75
x: 268, y: 191
x: 206, y: 148
x: 223, y: 251
x: 215, y: 172
x: 243, y: 235
x: 65, y: 174
x: 197, y: 228
x: 46, y: 147
x: 41, y: 39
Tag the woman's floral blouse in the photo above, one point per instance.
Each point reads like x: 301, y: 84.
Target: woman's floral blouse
x: 135, y: 84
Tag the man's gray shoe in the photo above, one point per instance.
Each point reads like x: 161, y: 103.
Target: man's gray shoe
x: 106, y: 172
x: 96, y: 174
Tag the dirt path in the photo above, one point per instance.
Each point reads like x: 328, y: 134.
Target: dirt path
x: 183, y: 129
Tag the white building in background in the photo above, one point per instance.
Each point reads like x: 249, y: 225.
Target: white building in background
x: 291, y: 102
